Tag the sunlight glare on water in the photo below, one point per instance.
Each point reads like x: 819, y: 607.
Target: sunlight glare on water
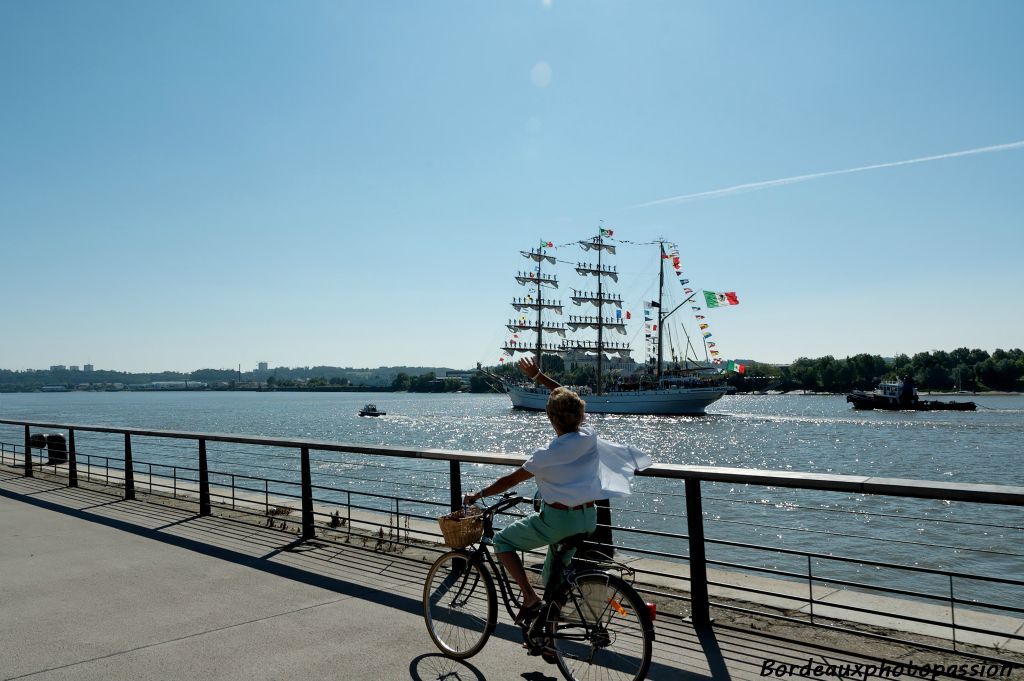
x: 816, y: 434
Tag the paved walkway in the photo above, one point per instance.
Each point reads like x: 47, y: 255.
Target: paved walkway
x: 95, y: 587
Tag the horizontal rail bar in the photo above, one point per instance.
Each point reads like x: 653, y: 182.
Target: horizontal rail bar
x: 854, y: 484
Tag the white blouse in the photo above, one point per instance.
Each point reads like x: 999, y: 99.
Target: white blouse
x: 580, y: 467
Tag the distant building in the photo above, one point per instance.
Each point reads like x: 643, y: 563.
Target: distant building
x: 58, y: 367
x: 88, y: 368
x: 464, y: 376
x: 262, y: 366
x: 74, y: 367
x: 177, y: 385
x: 54, y: 388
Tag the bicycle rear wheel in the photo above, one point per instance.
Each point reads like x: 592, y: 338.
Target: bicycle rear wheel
x: 459, y: 605
x: 600, y: 629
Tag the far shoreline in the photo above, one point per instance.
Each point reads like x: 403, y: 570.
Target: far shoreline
x: 388, y: 390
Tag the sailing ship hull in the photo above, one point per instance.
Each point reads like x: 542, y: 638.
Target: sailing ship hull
x: 670, y: 401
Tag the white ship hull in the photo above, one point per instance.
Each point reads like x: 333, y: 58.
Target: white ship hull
x: 668, y: 401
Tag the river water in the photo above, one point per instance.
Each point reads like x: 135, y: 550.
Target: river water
x: 811, y: 433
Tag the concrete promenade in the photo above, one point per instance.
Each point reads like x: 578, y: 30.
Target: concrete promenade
x: 95, y: 587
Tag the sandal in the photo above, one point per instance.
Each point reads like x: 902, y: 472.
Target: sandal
x: 528, y: 613
x: 545, y: 651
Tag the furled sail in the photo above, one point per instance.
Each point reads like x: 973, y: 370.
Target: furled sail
x: 580, y: 297
x: 531, y: 278
x: 538, y: 256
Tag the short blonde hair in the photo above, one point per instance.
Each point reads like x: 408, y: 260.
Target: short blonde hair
x: 565, y: 409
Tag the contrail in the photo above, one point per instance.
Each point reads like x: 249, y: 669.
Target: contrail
x: 753, y: 186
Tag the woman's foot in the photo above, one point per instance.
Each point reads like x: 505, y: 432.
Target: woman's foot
x: 528, y: 611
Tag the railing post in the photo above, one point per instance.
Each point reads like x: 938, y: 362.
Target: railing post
x: 810, y: 586
x: 204, y: 480
x: 308, y: 532
x: 28, y: 453
x: 700, y: 604
x: 455, y: 476
x: 72, y: 460
x: 129, y: 468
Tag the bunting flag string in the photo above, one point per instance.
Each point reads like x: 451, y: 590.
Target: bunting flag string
x: 677, y: 266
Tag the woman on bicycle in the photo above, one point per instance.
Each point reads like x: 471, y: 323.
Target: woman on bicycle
x: 574, y: 471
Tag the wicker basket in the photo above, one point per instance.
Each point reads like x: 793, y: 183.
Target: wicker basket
x: 463, y: 527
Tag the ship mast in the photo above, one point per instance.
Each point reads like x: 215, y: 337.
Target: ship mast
x: 540, y: 326
x: 535, y: 279
x: 600, y: 318
x: 598, y: 322
x: 661, y: 320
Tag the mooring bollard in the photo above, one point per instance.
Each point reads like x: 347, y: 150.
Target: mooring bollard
x: 56, y: 448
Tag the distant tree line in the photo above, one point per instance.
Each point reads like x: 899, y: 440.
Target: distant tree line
x: 961, y: 369
x: 275, y: 378
x: 426, y: 383
x: 938, y: 370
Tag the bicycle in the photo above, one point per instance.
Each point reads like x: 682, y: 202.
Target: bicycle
x: 593, y: 623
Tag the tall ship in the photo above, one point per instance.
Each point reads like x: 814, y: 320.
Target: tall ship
x: 595, y: 335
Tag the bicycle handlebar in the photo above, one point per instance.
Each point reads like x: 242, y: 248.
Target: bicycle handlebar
x: 506, y: 501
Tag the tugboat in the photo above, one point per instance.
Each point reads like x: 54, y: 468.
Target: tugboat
x: 901, y: 396
x: 371, y: 410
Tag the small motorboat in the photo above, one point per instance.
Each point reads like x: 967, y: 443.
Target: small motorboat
x: 371, y: 410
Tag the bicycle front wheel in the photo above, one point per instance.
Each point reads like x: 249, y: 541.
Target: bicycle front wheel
x: 459, y: 605
x: 600, y: 628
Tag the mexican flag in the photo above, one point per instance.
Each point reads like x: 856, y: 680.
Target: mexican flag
x: 734, y: 366
x: 606, y: 232
x: 721, y: 299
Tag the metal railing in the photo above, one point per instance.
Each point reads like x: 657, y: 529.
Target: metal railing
x: 795, y: 583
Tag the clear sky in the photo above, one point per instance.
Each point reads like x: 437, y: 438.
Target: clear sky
x: 206, y: 184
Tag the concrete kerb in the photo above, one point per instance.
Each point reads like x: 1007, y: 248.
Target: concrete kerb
x: 783, y: 596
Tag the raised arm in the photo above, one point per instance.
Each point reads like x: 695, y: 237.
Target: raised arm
x: 532, y: 372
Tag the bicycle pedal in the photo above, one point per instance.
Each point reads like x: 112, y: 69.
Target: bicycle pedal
x: 533, y: 646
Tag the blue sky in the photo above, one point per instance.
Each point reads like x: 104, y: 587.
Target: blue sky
x: 208, y: 184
